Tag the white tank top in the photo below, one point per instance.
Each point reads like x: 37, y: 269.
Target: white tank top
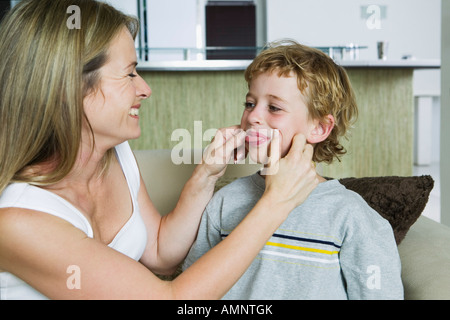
x: 130, y: 240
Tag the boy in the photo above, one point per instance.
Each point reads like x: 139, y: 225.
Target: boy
x: 333, y: 246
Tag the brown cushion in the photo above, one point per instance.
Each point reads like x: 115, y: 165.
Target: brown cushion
x: 400, y: 200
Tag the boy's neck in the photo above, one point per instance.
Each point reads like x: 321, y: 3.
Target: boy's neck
x: 321, y: 179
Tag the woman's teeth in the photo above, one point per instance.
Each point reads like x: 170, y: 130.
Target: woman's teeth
x: 134, y: 112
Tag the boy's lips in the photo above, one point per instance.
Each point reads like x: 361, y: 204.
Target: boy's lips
x: 256, y: 138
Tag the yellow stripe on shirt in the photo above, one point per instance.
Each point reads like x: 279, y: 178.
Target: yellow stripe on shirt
x: 287, y: 246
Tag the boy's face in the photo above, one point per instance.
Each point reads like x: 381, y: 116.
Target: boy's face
x: 274, y: 102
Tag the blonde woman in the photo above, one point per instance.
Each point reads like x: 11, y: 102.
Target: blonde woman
x: 71, y: 194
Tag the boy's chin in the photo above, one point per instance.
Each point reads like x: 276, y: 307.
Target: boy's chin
x: 260, y: 157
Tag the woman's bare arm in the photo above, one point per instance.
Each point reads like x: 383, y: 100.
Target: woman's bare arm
x: 170, y: 237
x: 40, y: 248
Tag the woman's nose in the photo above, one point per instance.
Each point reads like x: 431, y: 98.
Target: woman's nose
x: 143, y: 90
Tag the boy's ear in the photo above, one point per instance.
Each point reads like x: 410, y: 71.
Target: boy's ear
x: 321, y: 129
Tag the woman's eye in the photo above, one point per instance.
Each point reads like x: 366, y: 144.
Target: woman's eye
x: 132, y: 75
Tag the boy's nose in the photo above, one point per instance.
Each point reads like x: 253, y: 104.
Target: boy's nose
x: 256, y: 115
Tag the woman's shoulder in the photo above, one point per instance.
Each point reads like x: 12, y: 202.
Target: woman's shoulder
x: 21, y: 232
x: 129, y: 165
x: 21, y: 199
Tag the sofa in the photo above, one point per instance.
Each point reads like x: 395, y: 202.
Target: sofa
x: 423, y: 244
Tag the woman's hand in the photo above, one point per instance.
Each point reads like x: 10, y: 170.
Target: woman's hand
x: 291, y: 179
x: 174, y: 233
x: 222, y: 149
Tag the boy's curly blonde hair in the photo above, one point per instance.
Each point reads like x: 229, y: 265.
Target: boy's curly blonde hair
x: 325, y: 86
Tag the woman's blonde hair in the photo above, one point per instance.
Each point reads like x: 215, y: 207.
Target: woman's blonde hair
x: 324, y: 84
x: 46, y: 70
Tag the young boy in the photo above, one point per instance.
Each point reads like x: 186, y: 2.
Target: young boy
x: 333, y: 246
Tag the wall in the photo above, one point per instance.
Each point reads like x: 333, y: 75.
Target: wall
x: 129, y: 6
x: 381, y: 141
x: 445, y: 115
x: 190, y: 103
x: 172, y: 24
x: 410, y: 26
x: 178, y: 24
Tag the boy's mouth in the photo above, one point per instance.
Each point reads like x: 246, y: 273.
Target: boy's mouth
x: 256, y: 138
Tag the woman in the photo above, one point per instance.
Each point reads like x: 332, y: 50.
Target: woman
x: 72, y: 197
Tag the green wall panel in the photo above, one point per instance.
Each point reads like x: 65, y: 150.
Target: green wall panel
x: 191, y: 103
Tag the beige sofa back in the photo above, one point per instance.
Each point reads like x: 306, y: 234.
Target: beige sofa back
x: 165, y: 180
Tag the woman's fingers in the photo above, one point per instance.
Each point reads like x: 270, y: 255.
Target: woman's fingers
x: 223, y: 148
x: 293, y: 177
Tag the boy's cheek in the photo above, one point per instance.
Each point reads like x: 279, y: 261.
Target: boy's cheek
x: 260, y: 154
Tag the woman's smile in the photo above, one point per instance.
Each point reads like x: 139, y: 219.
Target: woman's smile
x: 134, y: 111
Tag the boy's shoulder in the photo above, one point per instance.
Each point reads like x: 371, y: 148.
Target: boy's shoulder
x: 357, y: 210
x: 334, y: 189
x: 333, y: 192
x: 344, y: 202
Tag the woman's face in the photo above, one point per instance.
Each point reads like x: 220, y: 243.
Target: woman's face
x: 113, y: 109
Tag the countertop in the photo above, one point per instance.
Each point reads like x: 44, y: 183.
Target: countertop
x: 230, y: 65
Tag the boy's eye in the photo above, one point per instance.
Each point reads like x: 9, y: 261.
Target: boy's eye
x: 274, y: 109
x: 249, y: 105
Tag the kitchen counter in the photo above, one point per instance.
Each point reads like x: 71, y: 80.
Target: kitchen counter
x: 237, y: 65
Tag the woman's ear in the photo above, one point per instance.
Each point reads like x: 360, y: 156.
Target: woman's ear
x: 321, y: 129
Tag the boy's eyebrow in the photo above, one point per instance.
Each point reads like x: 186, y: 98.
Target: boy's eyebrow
x: 277, y: 98
x: 249, y: 95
